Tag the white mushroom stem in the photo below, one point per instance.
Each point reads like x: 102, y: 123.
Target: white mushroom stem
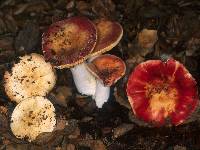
x: 85, y: 82
x: 102, y: 94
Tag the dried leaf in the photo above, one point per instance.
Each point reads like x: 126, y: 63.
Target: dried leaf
x: 28, y: 38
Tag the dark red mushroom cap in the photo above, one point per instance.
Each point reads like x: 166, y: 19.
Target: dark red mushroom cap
x: 68, y: 42
x: 108, y: 68
x: 160, y: 91
x: 109, y: 35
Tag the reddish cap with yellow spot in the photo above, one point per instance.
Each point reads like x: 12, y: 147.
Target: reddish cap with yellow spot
x: 160, y: 91
x: 108, y: 68
x: 68, y: 42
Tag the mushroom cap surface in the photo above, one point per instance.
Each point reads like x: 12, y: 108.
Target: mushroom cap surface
x: 31, y: 117
x: 68, y: 42
x: 109, y: 34
x: 107, y: 68
x: 31, y: 76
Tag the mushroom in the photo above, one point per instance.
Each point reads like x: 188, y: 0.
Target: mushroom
x: 109, y: 34
x: 32, y: 117
x: 108, y: 69
x: 160, y: 91
x: 67, y: 44
x: 31, y: 76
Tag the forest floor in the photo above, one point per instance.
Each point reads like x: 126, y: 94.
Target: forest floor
x: 113, y: 127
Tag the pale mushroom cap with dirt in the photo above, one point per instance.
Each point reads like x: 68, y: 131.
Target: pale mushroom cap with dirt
x: 32, y: 117
x: 31, y: 76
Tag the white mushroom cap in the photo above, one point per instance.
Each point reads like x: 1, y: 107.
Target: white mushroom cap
x: 32, y: 76
x: 32, y: 117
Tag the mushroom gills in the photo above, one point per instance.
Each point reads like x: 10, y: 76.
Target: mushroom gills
x: 85, y: 82
x: 162, y: 92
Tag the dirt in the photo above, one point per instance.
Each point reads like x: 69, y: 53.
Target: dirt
x: 81, y: 125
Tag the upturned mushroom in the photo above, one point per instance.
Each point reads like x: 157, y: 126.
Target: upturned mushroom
x: 32, y: 117
x: 31, y: 76
x: 67, y: 44
x: 108, y: 69
x: 162, y: 91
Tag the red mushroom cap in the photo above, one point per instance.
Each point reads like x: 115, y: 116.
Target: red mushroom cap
x: 68, y: 42
x: 158, y: 91
x: 108, y: 68
x: 109, y: 35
